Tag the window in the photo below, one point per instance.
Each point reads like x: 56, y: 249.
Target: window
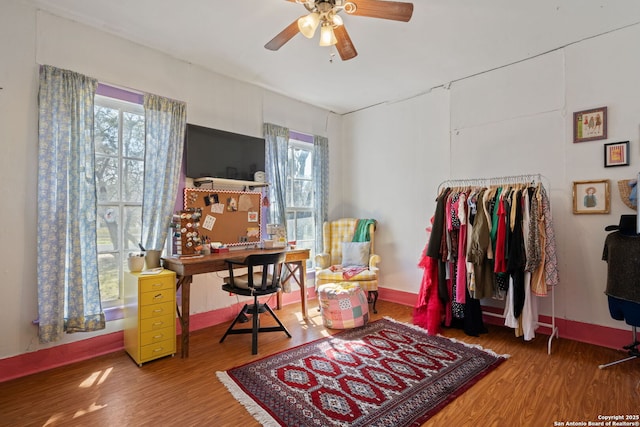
x: 119, y: 170
x: 300, y: 210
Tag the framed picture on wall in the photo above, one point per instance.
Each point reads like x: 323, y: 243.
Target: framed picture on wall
x: 616, y: 154
x: 591, y: 197
x: 590, y: 125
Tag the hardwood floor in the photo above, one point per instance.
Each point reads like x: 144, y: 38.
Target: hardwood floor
x: 530, y: 389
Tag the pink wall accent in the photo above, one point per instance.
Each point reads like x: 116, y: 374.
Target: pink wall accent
x: 30, y: 363
x: 42, y: 360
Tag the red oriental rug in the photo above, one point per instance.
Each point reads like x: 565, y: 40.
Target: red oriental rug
x: 383, y: 374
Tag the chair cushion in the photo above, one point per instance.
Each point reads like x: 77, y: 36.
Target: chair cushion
x: 355, y: 254
x: 242, y: 281
x: 328, y: 275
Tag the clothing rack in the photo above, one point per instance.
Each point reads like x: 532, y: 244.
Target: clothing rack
x: 510, y: 180
x: 497, y: 180
x: 552, y: 325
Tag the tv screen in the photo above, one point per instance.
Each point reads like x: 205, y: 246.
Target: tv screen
x: 219, y: 154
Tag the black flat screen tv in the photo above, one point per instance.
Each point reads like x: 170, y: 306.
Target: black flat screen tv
x: 214, y: 153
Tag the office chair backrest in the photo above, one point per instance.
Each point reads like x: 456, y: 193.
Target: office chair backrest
x: 265, y: 261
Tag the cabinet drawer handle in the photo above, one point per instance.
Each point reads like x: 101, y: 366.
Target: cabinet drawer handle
x: 158, y: 310
x: 158, y: 323
x: 156, y: 285
x: 158, y: 336
x: 159, y: 296
x: 156, y: 350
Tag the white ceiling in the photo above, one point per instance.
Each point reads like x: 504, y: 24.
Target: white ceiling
x: 446, y: 40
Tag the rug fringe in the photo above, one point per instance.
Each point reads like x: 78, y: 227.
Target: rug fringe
x: 479, y: 347
x: 476, y: 346
x: 252, y: 407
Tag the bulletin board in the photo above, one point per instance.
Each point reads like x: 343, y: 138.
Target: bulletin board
x: 230, y: 217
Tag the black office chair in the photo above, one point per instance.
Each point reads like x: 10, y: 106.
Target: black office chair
x: 255, y: 284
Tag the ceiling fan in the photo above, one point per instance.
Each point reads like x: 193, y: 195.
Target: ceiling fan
x: 324, y: 14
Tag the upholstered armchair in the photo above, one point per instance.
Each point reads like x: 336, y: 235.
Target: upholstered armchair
x: 349, y: 255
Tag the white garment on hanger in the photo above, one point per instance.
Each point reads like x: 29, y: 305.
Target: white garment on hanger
x: 509, y: 318
x: 529, y: 311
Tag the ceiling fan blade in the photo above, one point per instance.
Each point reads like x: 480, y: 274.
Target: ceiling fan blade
x: 395, y: 10
x: 283, y: 36
x: 345, y: 45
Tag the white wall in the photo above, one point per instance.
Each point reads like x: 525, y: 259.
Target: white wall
x: 392, y: 163
x: 30, y: 38
x: 510, y: 121
x: 18, y: 163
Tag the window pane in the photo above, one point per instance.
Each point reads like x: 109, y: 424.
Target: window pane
x: 302, y: 194
x: 291, y: 226
x: 132, y: 227
x: 108, y: 230
x: 289, y: 195
x: 106, y: 130
x: 300, y: 217
x: 133, y: 135
x: 305, y: 226
x: 133, y: 180
x: 308, y: 244
x: 109, y: 274
x: 302, y: 162
x: 119, y: 142
x: 107, y: 177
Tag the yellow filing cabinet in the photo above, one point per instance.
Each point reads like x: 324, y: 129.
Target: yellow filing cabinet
x: 149, y: 315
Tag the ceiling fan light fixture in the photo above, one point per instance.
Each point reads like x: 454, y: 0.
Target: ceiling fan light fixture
x: 323, y: 14
x: 327, y: 36
x: 308, y: 24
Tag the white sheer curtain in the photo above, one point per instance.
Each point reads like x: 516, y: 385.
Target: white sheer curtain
x: 68, y: 288
x: 165, y: 123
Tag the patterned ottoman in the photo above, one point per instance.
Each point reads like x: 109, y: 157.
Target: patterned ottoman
x: 343, y: 305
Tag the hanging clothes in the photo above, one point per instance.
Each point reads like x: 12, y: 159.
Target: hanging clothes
x: 428, y: 310
x: 488, y: 242
x: 478, y: 254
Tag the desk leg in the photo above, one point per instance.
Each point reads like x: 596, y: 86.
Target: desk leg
x: 303, y: 288
x: 301, y: 268
x: 183, y: 313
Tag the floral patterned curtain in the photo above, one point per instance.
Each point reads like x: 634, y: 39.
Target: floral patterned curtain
x: 68, y: 288
x: 321, y: 182
x: 277, y: 155
x: 165, y: 124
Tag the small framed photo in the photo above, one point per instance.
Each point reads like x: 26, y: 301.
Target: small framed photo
x: 590, y: 125
x: 591, y: 197
x: 616, y: 154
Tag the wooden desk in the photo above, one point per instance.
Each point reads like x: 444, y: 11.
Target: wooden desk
x: 186, y: 268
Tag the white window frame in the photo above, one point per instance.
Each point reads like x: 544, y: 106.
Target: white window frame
x: 289, y: 209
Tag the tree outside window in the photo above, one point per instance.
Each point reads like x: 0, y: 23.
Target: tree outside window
x: 119, y: 151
